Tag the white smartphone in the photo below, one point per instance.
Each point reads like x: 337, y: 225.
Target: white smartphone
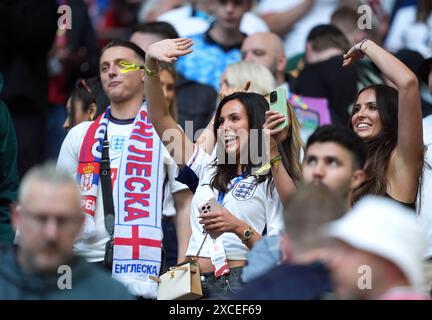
x: 206, y: 208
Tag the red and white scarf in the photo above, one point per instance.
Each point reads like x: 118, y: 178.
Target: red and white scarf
x: 137, y: 196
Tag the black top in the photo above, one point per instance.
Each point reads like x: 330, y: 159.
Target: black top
x: 27, y: 32
x: 8, y: 171
x: 209, y: 39
x: 408, y: 205
x: 195, y: 102
x: 338, y: 84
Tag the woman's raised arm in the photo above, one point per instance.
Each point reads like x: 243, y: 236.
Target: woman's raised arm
x: 410, y: 132
x: 176, y: 142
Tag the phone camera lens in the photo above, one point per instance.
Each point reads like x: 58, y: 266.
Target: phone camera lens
x: 273, y: 97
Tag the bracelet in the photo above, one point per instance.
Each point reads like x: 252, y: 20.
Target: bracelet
x: 276, y: 159
x: 361, y: 45
x: 265, y: 167
x: 151, y: 73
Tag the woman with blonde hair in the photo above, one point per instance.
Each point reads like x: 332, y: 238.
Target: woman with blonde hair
x: 168, y: 78
x: 237, y: 75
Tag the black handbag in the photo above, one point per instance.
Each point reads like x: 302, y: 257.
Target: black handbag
x: 108, y: 203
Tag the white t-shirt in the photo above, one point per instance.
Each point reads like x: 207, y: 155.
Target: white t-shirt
x: 170, y: 186
x: 185, y: 24
x: 248, y: 201
x: 406, y: 33
x: 425, y: 209
x: 93, y: 249
x: 295, y: 39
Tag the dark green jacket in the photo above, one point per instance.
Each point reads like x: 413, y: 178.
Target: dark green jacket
x: 88, y: 282
x: 8, y: 170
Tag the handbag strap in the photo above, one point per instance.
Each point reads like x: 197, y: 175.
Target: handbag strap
x: 107, y: 196
x: 202, y: 243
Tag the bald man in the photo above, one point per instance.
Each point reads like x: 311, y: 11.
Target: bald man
x: 267, y: 49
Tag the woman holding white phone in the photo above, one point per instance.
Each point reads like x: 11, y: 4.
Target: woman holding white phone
x: 248, y: 203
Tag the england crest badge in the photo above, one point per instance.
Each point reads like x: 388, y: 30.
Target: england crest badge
x: 117, y: 143
x: 244, y: 190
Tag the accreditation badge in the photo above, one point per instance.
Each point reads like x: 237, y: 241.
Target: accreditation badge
x: 218, y: 258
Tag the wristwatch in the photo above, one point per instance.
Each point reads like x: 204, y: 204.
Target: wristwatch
x: 247, y: 234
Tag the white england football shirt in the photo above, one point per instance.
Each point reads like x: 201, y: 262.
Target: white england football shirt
x: 93, y: 249
x: 248, y: 201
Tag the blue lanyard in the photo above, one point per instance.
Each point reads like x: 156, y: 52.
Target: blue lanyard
x: 221, y: 195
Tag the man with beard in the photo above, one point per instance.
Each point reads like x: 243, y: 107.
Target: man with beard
x: 267, y: 49
x: 335, y: 157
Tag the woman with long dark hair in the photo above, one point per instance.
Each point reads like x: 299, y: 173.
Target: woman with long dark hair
x: 390, y: 122
x: 251, y: 77
x: 86, y: 102
x: 248, y: 203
